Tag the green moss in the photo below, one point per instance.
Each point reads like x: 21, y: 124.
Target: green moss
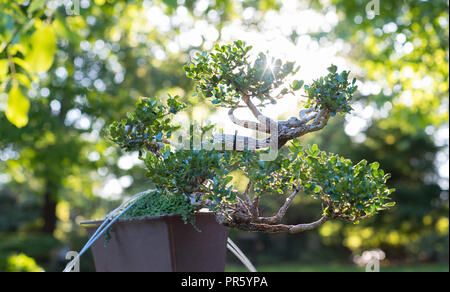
x: 157, y: 203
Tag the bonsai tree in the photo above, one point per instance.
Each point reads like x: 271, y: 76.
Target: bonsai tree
x: 191, y: 176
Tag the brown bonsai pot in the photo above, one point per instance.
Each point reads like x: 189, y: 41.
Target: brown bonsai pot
x: 161, y: 244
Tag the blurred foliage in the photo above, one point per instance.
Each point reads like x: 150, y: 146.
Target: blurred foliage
x: 38, y: 246
x: 86, y: 71
x: 329, y: 268
x: 16, y: 213
x: 19, y: 263
x: 406, y: 44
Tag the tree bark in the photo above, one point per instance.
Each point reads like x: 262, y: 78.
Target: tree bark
x: 49, y: 208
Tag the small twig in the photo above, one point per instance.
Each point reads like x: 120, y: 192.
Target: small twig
x: 247, y: 193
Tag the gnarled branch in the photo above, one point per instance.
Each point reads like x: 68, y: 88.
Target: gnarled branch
x: 311, y: 120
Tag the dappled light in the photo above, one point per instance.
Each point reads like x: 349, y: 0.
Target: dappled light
x: 101, y: 100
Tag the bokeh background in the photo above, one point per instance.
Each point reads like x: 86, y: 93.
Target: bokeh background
x: 65, y: 75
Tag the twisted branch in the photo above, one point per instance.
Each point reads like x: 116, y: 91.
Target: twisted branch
x: 276, y: 228
x: 311, y: 120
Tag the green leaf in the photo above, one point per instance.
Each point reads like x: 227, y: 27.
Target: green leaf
x: 389, y: 205
x: 43, y: 42
x: 22, y: 63
x: 24, y: 80
x: 35, y: 6
x: 316, y: 189
x: 6, y: 26
x: 297, y: 84
x: 171, y: 3
x: 332, y: 69
x: 3, y: 69
x: 375, y: 165
x: 18, y: 106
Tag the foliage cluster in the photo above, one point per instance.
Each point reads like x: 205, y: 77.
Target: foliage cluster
x: 333, y: 91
